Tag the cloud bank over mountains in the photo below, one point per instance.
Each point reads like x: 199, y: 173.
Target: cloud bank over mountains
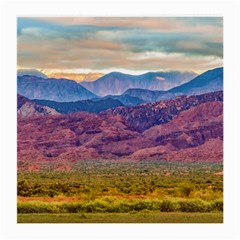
x: 134, y: 44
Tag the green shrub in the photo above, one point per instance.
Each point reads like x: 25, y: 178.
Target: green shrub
x: 24, y: 188
x: 37, y: 207
x: 145, y: 211
x: 194, y: 206
x: 123, y: 207
x: 71, y: 207
x: 168, y: 206
x: 95, y: 206
x: 217, y: 205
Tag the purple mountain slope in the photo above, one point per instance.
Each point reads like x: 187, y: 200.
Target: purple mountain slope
x: 60, y: 90
x: 116, y: 83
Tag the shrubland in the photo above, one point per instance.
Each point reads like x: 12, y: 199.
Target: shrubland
x: 110, y: 186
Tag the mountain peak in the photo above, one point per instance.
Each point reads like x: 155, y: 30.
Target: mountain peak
x: 116, y: 83
x: 209, y: 81
x: 61, y: 90
x: 31, y: 72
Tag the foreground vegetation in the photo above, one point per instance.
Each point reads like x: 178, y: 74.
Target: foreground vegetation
x: 111, y: 205
x: 110, y: 187
x: 93, y: 179
x: 134, y: 217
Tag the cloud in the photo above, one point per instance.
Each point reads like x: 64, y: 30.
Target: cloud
x: 168, y: 24
x: 121, y: 43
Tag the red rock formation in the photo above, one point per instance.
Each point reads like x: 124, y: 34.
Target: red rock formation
x: 191, y: 127
x: 194, y: 134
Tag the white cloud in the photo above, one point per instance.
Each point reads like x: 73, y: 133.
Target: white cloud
x: 32, y: 32
x: 154, y: 55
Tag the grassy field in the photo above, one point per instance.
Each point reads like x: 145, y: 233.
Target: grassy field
x: 140, y: 217
x: 110, y: 191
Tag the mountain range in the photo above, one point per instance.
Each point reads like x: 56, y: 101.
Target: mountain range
x: 60, y: 120
x: 116, y: 83
x: 60, y: 90
x: 187, y: 128
x: 61, y: 94
x: 209, y: 81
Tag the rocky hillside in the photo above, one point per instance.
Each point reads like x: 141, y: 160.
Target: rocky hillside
x: 141, y: 117
x: 27, y: 108
x: 183, y: 129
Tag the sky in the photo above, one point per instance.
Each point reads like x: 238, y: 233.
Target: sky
x: 130, y: 45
